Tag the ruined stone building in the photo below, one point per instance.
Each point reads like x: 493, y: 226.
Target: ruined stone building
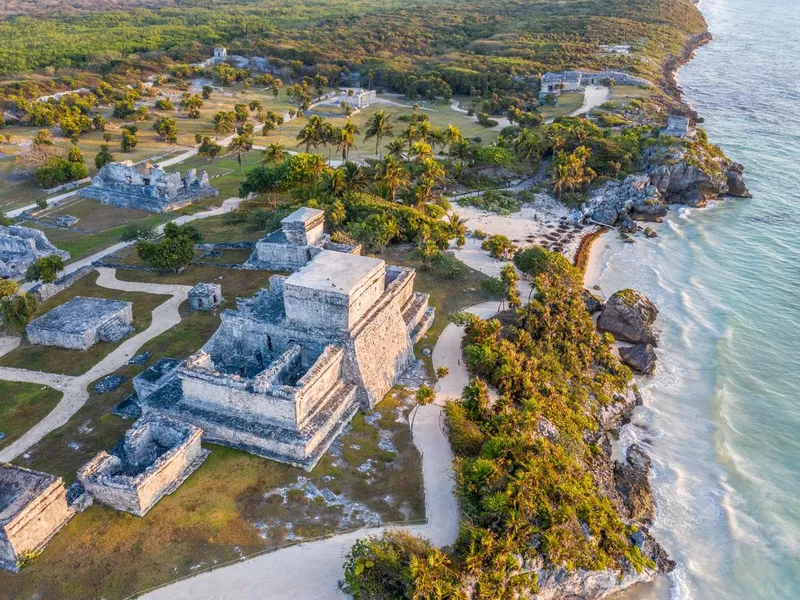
x: 20, y: 247
x: 82, y: 322
x: 300, y: 238
x: 205, y: 296
x: 287, y: 369
x: 679, y: 126
x: 156, y: 456
x: 33, y: 508
x: 359, y: 98
x: 147, y: 187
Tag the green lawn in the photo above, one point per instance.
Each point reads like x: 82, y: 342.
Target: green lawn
x: 567, y: 103
x: 22, y: 405
x: 75, y: 362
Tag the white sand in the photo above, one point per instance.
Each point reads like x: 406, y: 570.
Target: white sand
x: 544, y: 222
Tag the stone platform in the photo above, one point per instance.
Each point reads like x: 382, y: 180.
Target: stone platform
x: 82, y: 322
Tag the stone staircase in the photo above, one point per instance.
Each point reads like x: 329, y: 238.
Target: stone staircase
x: 114, y: 330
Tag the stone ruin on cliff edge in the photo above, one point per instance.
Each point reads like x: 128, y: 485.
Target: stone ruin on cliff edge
x: 20, y: 247
x: 147, y: 187
x: 289, y: 368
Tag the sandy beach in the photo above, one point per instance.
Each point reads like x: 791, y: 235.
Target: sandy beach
x: 543, y: 222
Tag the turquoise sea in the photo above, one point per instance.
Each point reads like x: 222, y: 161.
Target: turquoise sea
x: 722, y: 414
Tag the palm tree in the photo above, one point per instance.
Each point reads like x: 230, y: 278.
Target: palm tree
x: 392, y: 176
x: 274, y: 153
x: 333, y: 183
x: 457, y: 228
x: 396, y: 148
x: 354, y: 177
x: 529, y: 145
x: 312, y: 134
x: 239, y: 145
x: 379, y: 126
x: 452, y: 135
x: 347, y: 138
x: 317, y: 165
x: 420, y: 151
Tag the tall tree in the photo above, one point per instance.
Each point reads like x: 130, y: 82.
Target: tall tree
x: 379, y: 126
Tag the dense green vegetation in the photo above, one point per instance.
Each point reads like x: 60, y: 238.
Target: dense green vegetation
x: 423, y: 48
x: 524, y: 463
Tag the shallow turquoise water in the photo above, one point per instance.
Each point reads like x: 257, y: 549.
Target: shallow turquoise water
x: 722, y: 414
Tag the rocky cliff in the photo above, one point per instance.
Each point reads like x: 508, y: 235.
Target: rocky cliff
x: 689, y: 173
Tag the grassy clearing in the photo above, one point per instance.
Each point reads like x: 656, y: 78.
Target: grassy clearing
x: 230, y: 507
x: 216, y: 229
x: 22, y: 405
x: 566, y: 104
x: 75, y: 362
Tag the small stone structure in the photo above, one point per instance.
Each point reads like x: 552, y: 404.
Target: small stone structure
x: 205, y: 296
x: 20, y: 247
x: 556, y: 83
x: 147, y: 187
x: 300, y: 238
x: 576, y: 81
x: 33, y: 507
x: 678, y: 126
x: 220, y: 53
x: 359, y: 98
x: 153, y: 460
x: 81, y: 323
x: 287, y: 369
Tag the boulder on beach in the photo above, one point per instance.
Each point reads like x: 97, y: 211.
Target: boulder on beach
x: 632, y: 480
x: 629, y: 316
x: 641, y: 358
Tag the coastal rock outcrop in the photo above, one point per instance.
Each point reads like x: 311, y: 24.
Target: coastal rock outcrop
x: 632, y: 481
x: 593, y: 303
x: 641, y: 357
x: 686, y: 173
x: 629, y: 316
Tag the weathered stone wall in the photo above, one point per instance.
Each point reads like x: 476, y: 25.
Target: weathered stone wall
x: 21, y: 246
x: 105, y: 479
x: 284, y: 257
x: 52, y: 328
x: 45, y: 291
x: 32, y: 525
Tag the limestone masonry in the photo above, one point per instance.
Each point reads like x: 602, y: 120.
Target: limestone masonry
x: 287, y: 369
x: 147, y: 187
x: 33, y: 507
x: 205, y: 296
x: 155, y: 457
x: 300, y: 238
x: 20, y: 247
x: 81, y: 323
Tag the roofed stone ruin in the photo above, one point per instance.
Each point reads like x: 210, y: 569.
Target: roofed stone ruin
x: 147, y: 187
x: 20, y: 247
x: 82, y: 322
x: 33, y: 508
x: 287, y: 369
x: 156, y: 456
x: 205, y: 296
x: 300, y: 238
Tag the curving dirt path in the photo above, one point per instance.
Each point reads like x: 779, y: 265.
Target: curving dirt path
x: 74, y: 388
